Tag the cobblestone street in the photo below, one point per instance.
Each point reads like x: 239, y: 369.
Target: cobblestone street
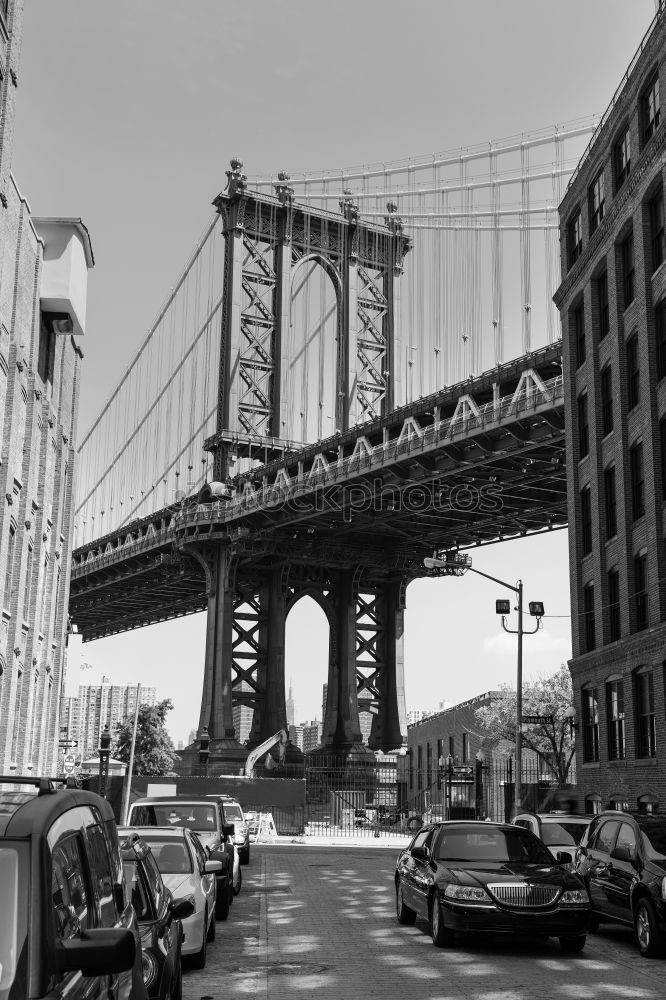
x: 321, y: 922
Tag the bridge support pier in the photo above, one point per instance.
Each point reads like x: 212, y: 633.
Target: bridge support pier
x: 389, y: 725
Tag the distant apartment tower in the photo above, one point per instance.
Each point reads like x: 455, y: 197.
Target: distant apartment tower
x: 98, y: 706
x: 312, y: 735
x: 242, y: 716
x: 612, y: 302
x: 44, y: 265
x: 296, y: 736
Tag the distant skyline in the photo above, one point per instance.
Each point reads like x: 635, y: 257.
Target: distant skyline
x: 128, y: 115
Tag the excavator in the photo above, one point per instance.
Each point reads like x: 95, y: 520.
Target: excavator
x: 281, y: 737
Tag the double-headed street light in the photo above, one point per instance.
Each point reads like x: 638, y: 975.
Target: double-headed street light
x: 456, y: 564
x: 204, y: 752
x: 104, y: 754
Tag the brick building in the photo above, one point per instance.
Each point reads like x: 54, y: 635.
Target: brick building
x: 43, y: 285
x: 612, y: 302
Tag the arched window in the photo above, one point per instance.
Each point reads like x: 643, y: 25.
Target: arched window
x: 648, y: 803
x: 619, y: 802
x: 9, y: 567
x: 592, y: 804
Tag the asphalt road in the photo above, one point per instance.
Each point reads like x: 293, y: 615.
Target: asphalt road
x: 320, y: 922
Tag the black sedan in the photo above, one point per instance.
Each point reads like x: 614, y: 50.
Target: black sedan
x: 491, y: 878
x: 159, y: 917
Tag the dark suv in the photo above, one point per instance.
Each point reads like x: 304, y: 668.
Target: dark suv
x: 67, y: 928
x: 622, y: 860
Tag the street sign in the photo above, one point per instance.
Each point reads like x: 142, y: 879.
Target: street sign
x: 68, y: 763
x: 66, y: 744
x: 537, y: 720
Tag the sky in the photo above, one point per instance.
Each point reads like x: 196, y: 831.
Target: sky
x: 128, y: 114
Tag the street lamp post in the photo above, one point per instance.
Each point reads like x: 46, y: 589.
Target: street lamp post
x: 456, y: 564
x: 204, y: 752
x: 104, y: 754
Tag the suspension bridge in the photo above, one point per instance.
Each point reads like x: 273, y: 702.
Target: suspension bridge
x: 353, y: 367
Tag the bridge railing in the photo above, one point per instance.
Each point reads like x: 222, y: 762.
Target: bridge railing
x: 492, y: 414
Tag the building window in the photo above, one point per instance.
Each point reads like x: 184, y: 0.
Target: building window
x: 465, y: 747
x: 419, y: 767
x: 637, y: 481
x: 28, y: 582
x: 606, y: 400
x: 578, y: 324
x: 645, y: 721
x: 657, y: 230
x: 662, y: 449
x: 640, y: 592
x: 583, y: 426
x: 650, y: 103
x: 596, y: 201
x: 586, y: 520
x: 615, y: 719
x: 440, y: 758
x: 633, y: 372
x: 660, y: 337
x: 575, y: 238
x: 610, y: 500
x: 9, y: 569
x: 602, y: 305
x: 590, y: 724
x: 451, y: 747
x: 627, y: 253
x: 622, y: 159
x: 614, y: 620
x: 588, y: 614
x: 429, y: 765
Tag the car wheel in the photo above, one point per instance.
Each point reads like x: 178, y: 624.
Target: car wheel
x: 199, y: 958
x: 210, y: 936
x: 244, y: 856
x: 441, y: 937
x: 572, y: 944
x: 404, y: 913
x: 239, y: 881
x: 648, y: 936
x: 222, y: 904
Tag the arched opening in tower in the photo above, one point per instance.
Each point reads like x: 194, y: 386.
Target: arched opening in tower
x: 309, y: 389
x: 306, y: 670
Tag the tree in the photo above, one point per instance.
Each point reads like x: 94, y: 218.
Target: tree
x: 154, y: 752
x: 550, y: 695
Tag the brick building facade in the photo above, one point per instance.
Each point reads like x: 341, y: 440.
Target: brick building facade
x: 43, y: 283
x: 612, y: 302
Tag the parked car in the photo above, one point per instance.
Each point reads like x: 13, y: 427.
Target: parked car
x: 188, y: 873
x: 492, y: 878
x: 622, y: 860
x: 206, y: 818
x: 67, y: 927
x: 559, y: 831
x: 233, y: 813
x: 159, y: 916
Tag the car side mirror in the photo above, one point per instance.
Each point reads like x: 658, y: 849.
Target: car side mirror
x: 563, y: 858
x: 622, y: 853
x: 228, y: 829
x: 213, y: 867
x: 182, y: 908
x: 100, y: 951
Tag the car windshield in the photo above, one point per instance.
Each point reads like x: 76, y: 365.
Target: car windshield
x: 196, y: 817
x: 13, y: 943
x: 171, y: 855
x: 233, y: 811
x: 654, y: 839
x: 562, y: 834
x: 513, y: 845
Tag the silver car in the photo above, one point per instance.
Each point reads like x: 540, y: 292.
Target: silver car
x: 188, y: 873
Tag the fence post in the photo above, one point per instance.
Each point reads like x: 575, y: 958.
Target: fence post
x: 478, y: 807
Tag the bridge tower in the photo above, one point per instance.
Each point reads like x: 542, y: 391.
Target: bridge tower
x: 273, y: 246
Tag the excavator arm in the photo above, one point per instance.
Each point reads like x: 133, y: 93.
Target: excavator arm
x: 280, y: 737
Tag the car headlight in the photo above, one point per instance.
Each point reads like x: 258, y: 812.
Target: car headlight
x: 466, y: 894
x: 574, y: 897
x: 148, y: 968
